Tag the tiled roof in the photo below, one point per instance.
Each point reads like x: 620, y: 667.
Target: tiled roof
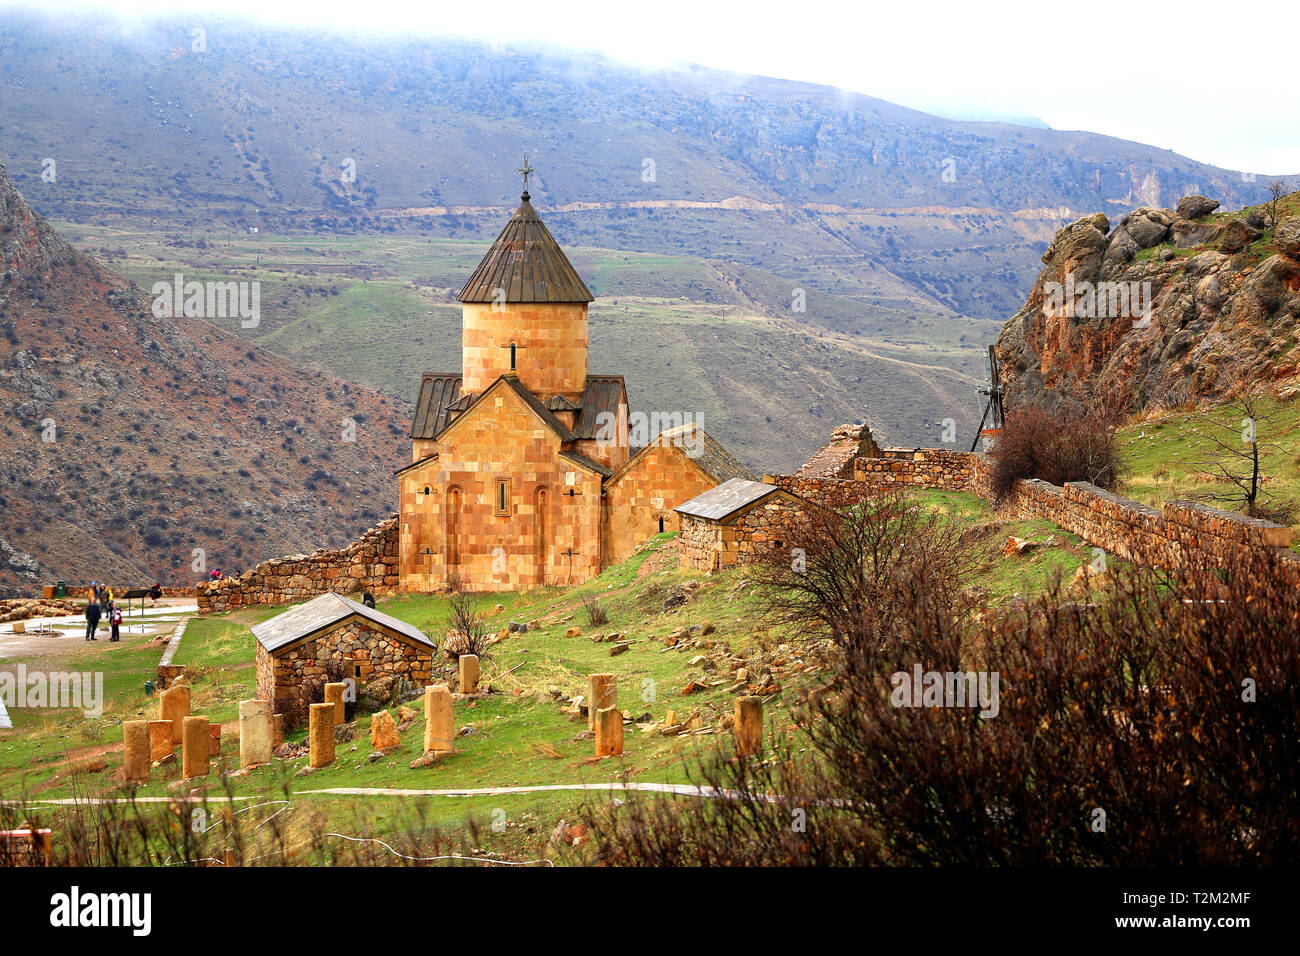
x: 326, y: 611
x: 586, y: 462
x: 438, y: 391
x: 703, y: 449
x: 527, y: 263
x: 602, y: 394
x: 700, y: 447
x: 726, y: 499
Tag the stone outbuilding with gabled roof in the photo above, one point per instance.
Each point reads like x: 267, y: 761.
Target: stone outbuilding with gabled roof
x: 736, y: 522
x: 522, y: 473
x: 332, y: 638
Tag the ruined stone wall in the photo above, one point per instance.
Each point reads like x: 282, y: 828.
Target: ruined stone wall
x: 1156, y: 537
x: 367, y: 564
x: 294, y: 677
x: 921, y: 467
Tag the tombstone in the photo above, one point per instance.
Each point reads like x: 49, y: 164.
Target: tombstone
x: 214, y: 740
x: 439, y: 720
x: 176, y: 707
x: 469, y: 672
x: 135, y: 740
x: 609, y: 732
x: 334, y: 695
x: 748, y: 726
x: 602, y: 692
x: 161, y: 744
x: 321, y: 721
x: 383, y: 732
x: 277, y: 730
x: 196, y: 747
x: 254, y: 732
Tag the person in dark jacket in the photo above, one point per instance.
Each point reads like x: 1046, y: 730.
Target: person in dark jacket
x: 92, y: 619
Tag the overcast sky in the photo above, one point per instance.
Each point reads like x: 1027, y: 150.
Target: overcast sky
x: 1213, y: 82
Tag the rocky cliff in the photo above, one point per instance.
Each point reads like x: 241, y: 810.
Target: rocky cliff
x: 139, y: 447
x: 1169, y: 306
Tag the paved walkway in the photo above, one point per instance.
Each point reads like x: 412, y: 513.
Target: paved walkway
x: 174, y: 644
x: 680, y: 789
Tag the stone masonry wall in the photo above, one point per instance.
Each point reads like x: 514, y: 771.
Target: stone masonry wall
x: 760, y: 530
x: 294, y: 677
x: 700, y: 543
x: 709, y: 545
x: 1177, y: 531
x: 367, y: 564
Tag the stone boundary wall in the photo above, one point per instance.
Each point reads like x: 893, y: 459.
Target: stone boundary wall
x: 367, y: 564
x: 1156, y: 537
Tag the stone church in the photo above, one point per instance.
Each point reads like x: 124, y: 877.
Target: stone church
x: 523, y: 469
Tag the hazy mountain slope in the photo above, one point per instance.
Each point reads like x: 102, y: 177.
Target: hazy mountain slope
x: 823, y: 186
x: 128, y: 440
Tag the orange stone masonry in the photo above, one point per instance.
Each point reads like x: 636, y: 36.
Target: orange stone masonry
x: 522, y: 473
x: 550, y: 342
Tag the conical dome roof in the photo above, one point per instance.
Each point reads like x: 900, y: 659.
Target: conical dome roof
x: 527, y: 263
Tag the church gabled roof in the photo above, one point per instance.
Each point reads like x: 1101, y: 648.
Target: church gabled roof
x: 600, y: 398
x: 700, y: 447
x: 527, y: 263
x: 438, y: 391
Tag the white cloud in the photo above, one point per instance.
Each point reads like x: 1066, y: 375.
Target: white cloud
x: 1209, y: 82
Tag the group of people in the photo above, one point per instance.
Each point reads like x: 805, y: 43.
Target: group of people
x: 100, y: 604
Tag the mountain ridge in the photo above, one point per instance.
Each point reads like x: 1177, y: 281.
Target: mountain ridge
x: 260, y: 127
x: 128, y: 439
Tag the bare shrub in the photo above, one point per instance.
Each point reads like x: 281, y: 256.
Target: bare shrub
x: 847, y: 571
x: 1073, y: 444
x: 202, y: 831
x: 594, y: 611
x: 1161, y: 726
x: 468, y: 629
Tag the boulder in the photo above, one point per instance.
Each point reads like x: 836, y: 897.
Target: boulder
x: 1018, y: 546
x: 1140, y: 229
x: 1288, y: 237
x: 1195, y: 207
x: 1237, y: 234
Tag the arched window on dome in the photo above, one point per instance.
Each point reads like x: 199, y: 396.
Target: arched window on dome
x: 514, y: 358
